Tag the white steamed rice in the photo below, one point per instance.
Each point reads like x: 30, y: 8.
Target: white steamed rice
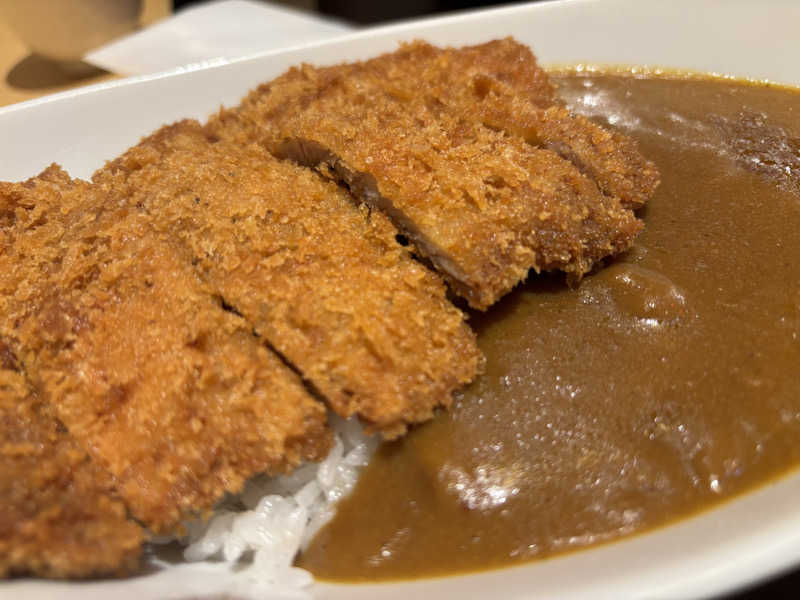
x: 256, y: 535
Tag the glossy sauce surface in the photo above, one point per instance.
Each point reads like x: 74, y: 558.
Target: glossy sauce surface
x: 657, y: 387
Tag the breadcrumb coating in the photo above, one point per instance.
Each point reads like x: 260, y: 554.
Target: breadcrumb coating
x: 170, y: 393
x: 324, y: 281
x: 500, y: 84
x: 61, y: 516
x: 483, y: 206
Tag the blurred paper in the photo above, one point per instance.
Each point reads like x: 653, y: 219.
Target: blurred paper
x: 217, y: 30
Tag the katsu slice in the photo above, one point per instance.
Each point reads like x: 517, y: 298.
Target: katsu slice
x: 323, y: 281
x: 170, y: 393
x: 500, y: 84
x: 482, y: 206
x: 61, y: 516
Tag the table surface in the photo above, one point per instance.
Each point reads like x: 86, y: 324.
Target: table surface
x: 26, y: 76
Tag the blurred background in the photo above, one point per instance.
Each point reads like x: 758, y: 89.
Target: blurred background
x: 44, y: 43
x: 367, y: 12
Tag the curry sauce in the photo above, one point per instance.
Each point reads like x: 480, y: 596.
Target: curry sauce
x: 655, y: 388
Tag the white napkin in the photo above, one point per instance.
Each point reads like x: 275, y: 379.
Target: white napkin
x: 213, y: 31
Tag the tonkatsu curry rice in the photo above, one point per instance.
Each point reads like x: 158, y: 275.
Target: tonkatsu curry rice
x: 184, y: 321
x: 206, y: 341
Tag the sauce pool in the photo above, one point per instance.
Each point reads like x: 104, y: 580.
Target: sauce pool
x: 656, y: 388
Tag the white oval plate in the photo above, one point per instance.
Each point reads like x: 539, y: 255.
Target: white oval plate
x: 737, y: 543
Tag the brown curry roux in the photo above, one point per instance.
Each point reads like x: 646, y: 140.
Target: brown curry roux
x: 658, y: 387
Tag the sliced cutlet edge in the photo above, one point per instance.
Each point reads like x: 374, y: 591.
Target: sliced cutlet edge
x: 482, y: 206
x: 321, y: 278
x: 170, y: 393
x: 61, y: 515
x: 500, y: 84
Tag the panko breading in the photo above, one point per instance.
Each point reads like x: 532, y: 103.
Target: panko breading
x: 482, y: 206
x: 500, y: 85
x: 323, y: 281
x: 170, y: 393
x: 60, y: 516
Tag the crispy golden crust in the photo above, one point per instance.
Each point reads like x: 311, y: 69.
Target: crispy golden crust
x: 324, y: 281
x: 482, y: 206
x: 60, y: 515
x: 165, y: 389
x: 500, y: 84
x: 428, y: 69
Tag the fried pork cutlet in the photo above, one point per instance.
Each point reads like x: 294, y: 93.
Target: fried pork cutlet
x: 482, y: 206
x: 60, y: 516
x: 500, y: 84
x: 170, y: 393
x: 323, y: 281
